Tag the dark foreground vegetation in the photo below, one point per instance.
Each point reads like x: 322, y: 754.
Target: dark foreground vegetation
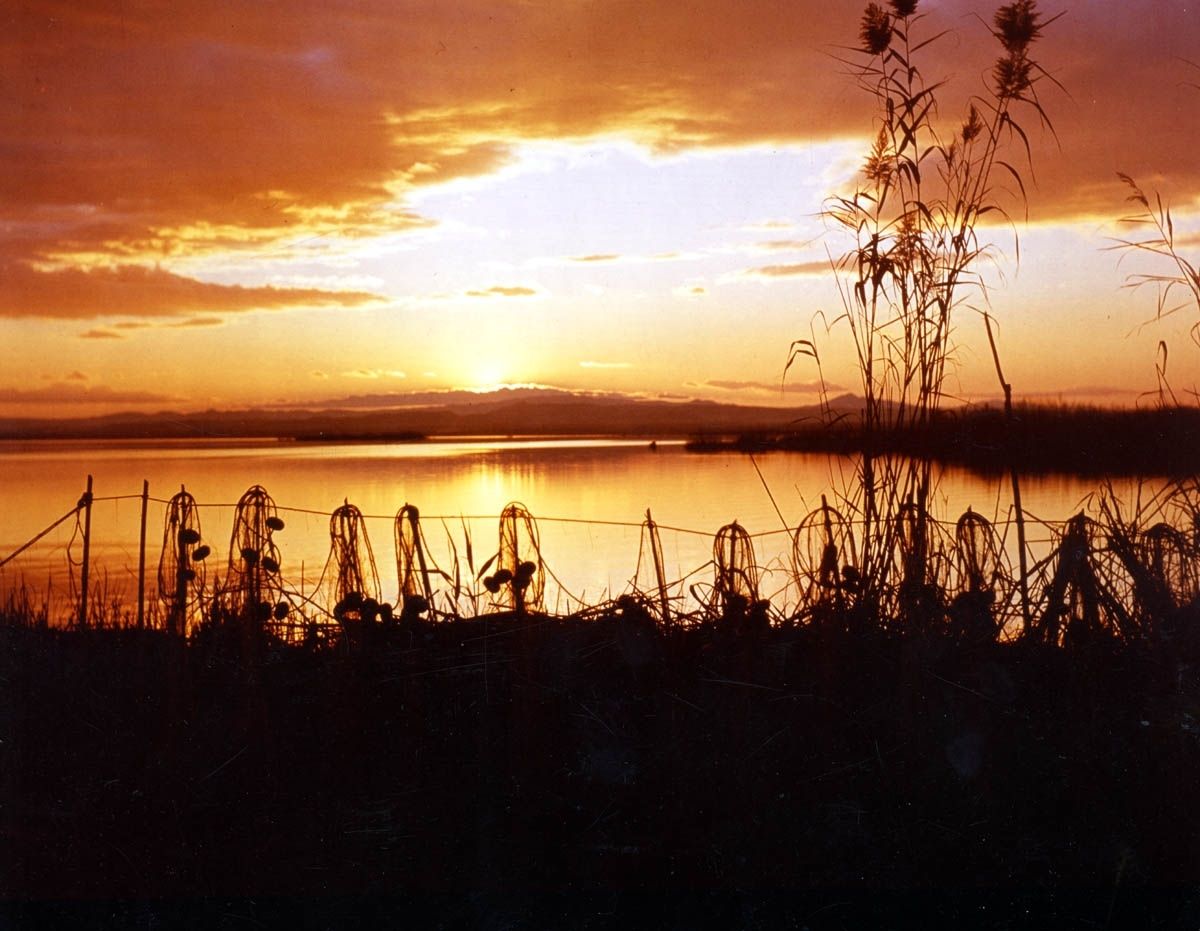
x: 1077, y: 440
x: 502, y: 771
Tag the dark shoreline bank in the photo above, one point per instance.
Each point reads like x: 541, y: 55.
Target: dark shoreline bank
x: 577, y: 760
x: 1078, y: 441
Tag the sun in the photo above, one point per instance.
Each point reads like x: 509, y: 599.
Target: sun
x: 487, y: 377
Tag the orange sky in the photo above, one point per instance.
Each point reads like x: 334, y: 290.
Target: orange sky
x: 292, y: 202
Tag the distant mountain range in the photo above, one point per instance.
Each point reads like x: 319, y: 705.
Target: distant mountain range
x: 504, y: 412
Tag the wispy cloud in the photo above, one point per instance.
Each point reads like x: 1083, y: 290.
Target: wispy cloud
x: 598, y: 257
x: 796, y: 270
x: 784, y: 245
x: 374, y: 374
x: 503, y: 291
x: 788, y: 387
x: 75, y: 393
x: 769, y: 225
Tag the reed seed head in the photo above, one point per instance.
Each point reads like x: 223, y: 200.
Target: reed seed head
x: 972, y: 126
x: 903, y: 7
x: 1017, y: 25
x: 878, y: 167
x: 876, y: 30
x: 1012, y: 76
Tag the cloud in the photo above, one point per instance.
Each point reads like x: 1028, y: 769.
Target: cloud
x: 605, y: 365
x: 769, y: 225
x: 74, y: 393
x: 374, y: 374
x: 100, y: 334
x: 609, y: 258
x: 503, y: 291
x: 789, y: 387
x: 798, y: 270
x: 135, y: 290
x: 182, y: 130
x: 785, y: 245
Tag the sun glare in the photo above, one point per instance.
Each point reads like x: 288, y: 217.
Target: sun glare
x: 487, y: 378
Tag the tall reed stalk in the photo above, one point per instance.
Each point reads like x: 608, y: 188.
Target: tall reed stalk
x: 915, y: 219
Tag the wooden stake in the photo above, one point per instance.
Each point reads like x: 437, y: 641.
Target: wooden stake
x: 413, y: 519
x: 87, y: 547
x: 141, y: 595
x: 177, y: 623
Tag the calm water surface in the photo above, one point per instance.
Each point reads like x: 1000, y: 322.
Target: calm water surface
x: 580, y: 491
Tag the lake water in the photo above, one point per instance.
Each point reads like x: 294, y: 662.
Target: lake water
x: 589, y: 497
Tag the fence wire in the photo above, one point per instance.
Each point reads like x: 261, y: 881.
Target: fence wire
x: 1115, y: 570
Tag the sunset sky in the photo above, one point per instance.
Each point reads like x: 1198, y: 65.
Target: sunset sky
x: 219, y: 205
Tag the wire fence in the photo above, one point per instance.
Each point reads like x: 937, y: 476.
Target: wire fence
x: 175, y: 563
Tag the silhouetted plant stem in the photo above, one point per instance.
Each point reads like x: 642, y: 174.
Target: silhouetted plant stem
x: 1180, y: 274
x: 1022, y: 557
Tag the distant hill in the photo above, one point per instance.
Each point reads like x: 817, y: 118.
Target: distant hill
x: 528, y: 411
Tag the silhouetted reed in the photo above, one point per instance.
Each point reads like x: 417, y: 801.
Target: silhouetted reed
x: 914, y: 218
x: 1179, y: 275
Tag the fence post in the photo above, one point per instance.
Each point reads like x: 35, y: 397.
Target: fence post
x: 178, y: 620
x: 414, y: 520
x: 141, y: 596
x: 87, y: 546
